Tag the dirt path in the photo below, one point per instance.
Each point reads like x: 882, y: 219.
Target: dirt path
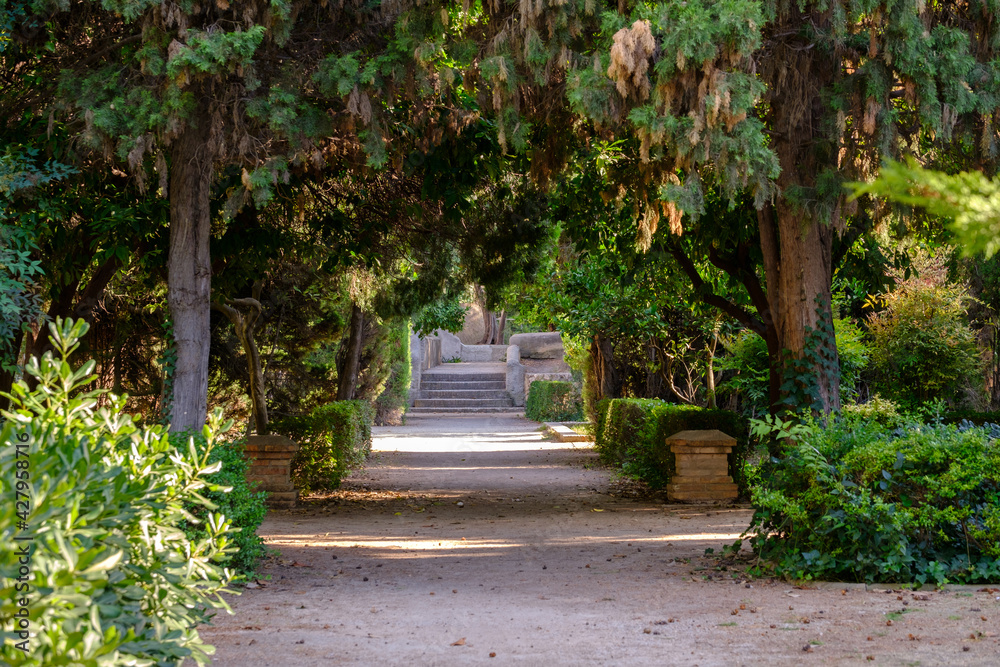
x: 472, y: 540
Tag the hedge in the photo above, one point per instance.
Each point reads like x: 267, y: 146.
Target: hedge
x: 631, y: 433
x: 333, y: 440
x: 553, y: 401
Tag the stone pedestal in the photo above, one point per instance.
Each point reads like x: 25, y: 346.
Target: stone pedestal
x: 702, y: 462
x: 270, y: 459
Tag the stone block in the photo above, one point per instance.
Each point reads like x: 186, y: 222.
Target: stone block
x: 270, y: 458
x: 702, y: 464
x: 542, y: 345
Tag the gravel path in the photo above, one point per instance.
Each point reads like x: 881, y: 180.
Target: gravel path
x: 472, y: 540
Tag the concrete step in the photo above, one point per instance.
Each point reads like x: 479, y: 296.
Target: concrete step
x: 470, y: 384
x: 429, y: 376
x: 485, y: 394
x: 463, y: 403
x: 452, y: 411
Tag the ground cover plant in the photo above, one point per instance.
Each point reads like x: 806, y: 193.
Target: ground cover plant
x: 862, y: 501
x: 112, y: 578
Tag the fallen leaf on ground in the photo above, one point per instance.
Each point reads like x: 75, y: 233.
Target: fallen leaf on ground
x: 460, y: 642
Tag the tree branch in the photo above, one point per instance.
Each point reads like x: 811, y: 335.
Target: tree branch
x: 711, y: 298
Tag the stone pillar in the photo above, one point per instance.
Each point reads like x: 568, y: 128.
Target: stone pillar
x: 702, y: 465
x: 515, y: 375
x: 270, y: 458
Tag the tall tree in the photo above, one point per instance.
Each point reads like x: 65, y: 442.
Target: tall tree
x: 781, y: 100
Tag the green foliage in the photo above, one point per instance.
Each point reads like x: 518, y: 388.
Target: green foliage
x: 113, y: 578
x: 632, y: 433
x: 922, y: 348
x: 969, y: 199
x: 860, y: 502
x: 748, y: 359
x: 446, y: 313
x: 19, y: 301
x: 240, y: 504
x: 333, y: 440
x: 391, y: 403
x: 553, y: 401
x: 877, y: 410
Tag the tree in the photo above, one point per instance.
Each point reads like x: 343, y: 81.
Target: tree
x: 781, y: 101
x: 186, y: 90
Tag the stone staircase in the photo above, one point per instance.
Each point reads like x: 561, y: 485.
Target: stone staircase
x: 457, y: 392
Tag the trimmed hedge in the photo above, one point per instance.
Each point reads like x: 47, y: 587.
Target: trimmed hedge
x: 875, y: 504
x: 333, y: 440
x: 553, y: 401
x: 631, y: 433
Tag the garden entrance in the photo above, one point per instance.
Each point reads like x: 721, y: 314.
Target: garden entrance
x: 471, y: 539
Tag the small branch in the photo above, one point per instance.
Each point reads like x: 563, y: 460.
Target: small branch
x: 711, y: 298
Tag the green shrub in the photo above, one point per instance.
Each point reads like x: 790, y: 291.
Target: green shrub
x: 922, y: 347
x: 391, y: 403
x: 866, y: 503
x: 877, y: 410
x: 633, y: 434
x: 244, y: 507
x: 333, y: 440
x: 111, y: 577
x: 747, y: 356
x: 553, y: 401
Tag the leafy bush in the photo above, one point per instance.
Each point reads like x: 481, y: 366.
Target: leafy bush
x: 633, y: 431
x: 877, y: 410
x: 111, y: 577
x: 241, y: 505
x: 748, y: 358
x: 868, y: 503
x: 334, y: 439
x: 391, y: 403
x: 553, y: 401
x: 922, y: 347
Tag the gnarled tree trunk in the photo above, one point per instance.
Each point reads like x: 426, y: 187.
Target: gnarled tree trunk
x: 244, y: 326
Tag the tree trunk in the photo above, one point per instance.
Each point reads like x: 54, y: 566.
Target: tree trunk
x: 189, y: 271
x: 498, y: 334
x: 709, y: 369
x: 797, y: 240
x: 348, y: 380
x: 602, y: 352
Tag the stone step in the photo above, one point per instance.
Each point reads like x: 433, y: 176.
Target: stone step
x: 495, y: 394
x: 463, y: 403
x: 462, y: 377
x: 498, y: 385
x: 452, y: 411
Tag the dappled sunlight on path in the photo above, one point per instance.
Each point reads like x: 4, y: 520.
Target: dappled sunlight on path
x: 473, y: 536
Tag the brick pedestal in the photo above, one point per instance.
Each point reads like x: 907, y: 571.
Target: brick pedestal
x: 702, y: 461
x: 270, y: 459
